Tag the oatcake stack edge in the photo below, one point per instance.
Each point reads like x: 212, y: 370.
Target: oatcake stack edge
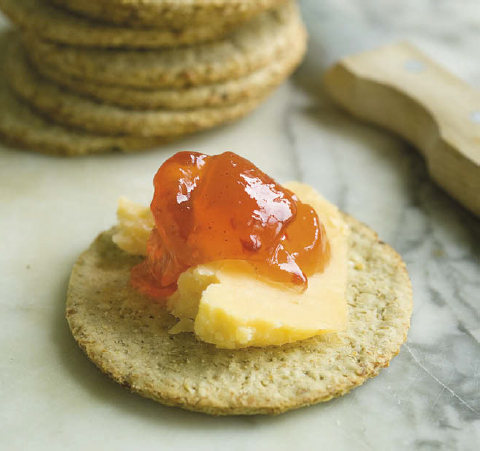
x: 137, y: 85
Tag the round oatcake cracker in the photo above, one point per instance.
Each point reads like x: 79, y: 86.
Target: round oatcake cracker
x: 49, y: 22
x: 67, y: 108
x: 21, y: 127
x: 250, y: 47
x: 228, y: 92
x: 126, y: 336
x: 168, y: 13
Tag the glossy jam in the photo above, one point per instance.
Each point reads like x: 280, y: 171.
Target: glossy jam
x: 223, y: 207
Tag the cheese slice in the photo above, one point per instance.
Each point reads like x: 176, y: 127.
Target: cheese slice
x: 227, y: 304
x: 135, y: 223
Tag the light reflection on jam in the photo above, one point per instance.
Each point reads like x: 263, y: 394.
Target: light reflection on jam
x: 223, y: 207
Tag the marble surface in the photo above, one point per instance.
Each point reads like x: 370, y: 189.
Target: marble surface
x: 52, y: 398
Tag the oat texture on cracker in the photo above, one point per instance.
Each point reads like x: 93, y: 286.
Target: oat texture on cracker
x: 176, y: 13
x: 127, y: 337
x: 228, y: 92
x: 252, y: 46
x: 48, y: 22
x: 77, y: 111
x: 79, y: 85
x: 21, y: 127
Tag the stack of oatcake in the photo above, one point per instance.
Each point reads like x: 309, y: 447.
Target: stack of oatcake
x: 89, y: 76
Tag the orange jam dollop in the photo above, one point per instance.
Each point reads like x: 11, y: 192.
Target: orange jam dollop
x: 210, y: 208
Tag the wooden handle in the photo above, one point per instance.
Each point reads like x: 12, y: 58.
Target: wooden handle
x: 399, y: 88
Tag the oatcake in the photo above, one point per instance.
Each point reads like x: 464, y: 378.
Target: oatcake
x: 168, y: 13
x: 76, y: 111
x: 252, y: 46
x: 224, y: 93
x: 51, y: 23
x: 127, y: 337
x: 20, y: 127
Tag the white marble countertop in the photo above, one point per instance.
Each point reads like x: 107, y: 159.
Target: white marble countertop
x: 52, y: 398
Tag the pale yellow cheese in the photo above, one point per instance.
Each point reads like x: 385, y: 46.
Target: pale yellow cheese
x: 135, y: 222
x: 225, y: 303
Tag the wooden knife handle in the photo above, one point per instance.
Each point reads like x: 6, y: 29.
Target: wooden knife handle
x: 399, y: 88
